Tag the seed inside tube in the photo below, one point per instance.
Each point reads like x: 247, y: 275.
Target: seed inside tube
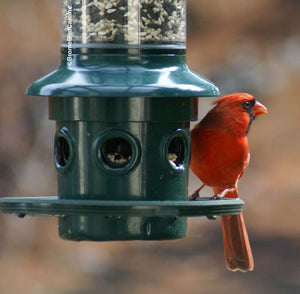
x: 111, y: 10
x: 159, y: 21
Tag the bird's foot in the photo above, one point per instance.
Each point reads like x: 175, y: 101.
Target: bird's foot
x: 193, y: 196
x: 215, y: 197
x: 220, y: 195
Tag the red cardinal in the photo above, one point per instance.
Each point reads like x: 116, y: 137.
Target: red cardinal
x: 219, y: 158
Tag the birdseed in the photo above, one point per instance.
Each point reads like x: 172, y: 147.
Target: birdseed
x: 123, y: 21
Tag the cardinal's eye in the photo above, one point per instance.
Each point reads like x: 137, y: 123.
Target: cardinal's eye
x: 248, y: 104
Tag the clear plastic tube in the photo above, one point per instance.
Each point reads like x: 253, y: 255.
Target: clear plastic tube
x: 123, y: 23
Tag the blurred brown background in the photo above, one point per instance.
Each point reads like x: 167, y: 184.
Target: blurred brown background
x: 250, y: 46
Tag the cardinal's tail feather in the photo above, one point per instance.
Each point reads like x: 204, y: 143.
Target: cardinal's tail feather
x: 237, y: 249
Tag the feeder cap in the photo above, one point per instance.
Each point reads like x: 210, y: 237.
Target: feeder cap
x: 121, y: 75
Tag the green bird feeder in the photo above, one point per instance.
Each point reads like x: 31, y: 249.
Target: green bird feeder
x: 122, y: 98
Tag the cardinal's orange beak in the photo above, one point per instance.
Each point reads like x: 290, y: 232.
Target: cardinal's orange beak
x: 259, y: 108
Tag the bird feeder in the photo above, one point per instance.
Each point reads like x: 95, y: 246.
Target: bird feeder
x: 122, y: 98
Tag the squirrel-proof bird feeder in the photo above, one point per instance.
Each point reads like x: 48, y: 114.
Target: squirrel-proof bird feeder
x: 122, y: 98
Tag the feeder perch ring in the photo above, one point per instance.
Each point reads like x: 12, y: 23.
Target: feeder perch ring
x: 53, y: 206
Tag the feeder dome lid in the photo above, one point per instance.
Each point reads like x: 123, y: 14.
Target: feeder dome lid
x: 123, y: 75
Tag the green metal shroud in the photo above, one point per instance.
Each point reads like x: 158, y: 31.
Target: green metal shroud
x: 123, y: 75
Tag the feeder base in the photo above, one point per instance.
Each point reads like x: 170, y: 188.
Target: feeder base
x: 98, y: 228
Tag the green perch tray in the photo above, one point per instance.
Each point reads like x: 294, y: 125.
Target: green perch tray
x: 53, y: 206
